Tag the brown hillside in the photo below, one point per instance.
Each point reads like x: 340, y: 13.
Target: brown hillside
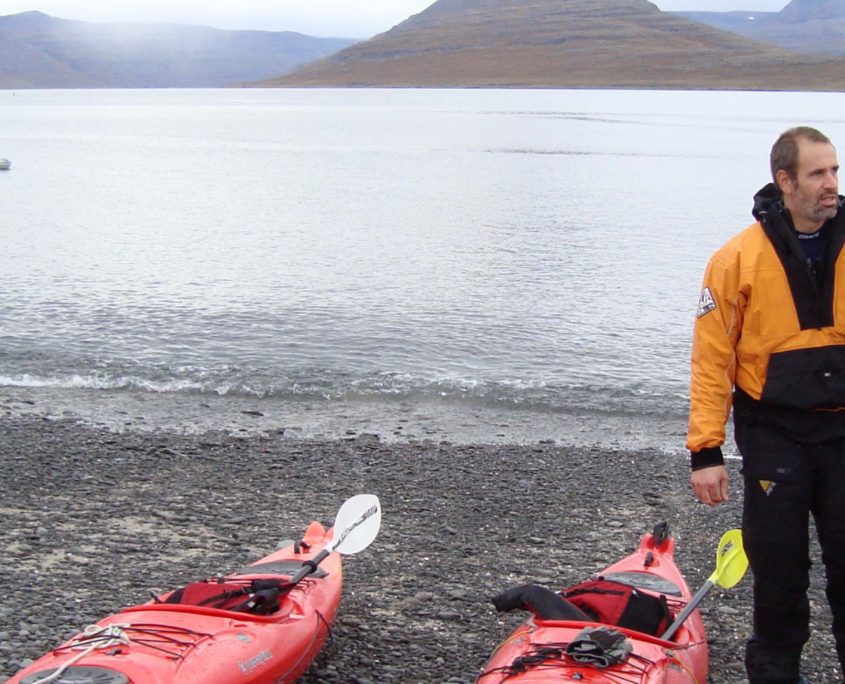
x: 564, y: 43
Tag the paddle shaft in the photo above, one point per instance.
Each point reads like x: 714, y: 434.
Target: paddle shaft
x: 308, y: 567
x: 691, y: 606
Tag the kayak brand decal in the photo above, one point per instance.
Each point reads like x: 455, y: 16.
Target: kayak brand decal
x: 706, y: 303
x: 256, y: 660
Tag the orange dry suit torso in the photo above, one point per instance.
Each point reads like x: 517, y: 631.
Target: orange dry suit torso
x: 769, y: 336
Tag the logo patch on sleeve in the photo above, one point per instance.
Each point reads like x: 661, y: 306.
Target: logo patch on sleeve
x: 706, y: 303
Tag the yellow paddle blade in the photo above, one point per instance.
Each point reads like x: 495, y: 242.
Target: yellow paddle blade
x: 731, y: 564
x: 731, y: 561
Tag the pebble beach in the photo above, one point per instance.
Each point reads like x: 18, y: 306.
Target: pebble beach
x: 93, y: 520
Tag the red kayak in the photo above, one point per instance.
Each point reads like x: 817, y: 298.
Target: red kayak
x: 635, y: 622
x: 261, y: 625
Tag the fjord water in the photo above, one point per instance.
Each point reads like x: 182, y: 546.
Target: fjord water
x: 472, y: 265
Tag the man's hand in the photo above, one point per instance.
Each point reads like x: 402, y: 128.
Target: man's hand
x: 710, y: 484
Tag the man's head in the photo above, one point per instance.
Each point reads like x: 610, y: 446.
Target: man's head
x: 805, y: 169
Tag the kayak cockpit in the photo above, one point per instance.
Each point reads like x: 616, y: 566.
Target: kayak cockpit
x: 645, y: 580
x: 258, y: 593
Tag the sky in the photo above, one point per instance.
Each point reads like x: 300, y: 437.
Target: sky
x: 336, y: 18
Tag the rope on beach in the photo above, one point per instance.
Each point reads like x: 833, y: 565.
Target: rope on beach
x: 93, y: 638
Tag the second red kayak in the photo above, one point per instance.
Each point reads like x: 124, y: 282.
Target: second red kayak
x: 620, y: 627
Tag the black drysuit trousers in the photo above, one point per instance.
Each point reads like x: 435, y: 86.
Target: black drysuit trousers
x: 786, y: 482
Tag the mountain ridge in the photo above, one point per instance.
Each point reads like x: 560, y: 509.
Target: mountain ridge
x: 564, y: 43
x: 40, y: 51
x: 809, y: 26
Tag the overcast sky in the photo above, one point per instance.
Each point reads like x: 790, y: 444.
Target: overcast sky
x: 342, y: 18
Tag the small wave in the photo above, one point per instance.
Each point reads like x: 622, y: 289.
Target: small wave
x: 331, y: 385
x: 100, y: 382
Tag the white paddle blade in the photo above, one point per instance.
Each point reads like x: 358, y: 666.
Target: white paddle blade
x: 356, y: 525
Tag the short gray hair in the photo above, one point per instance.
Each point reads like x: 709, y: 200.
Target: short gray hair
x: 785, y: 150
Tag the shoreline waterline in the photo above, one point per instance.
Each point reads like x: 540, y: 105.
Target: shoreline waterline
x: 392, y: 420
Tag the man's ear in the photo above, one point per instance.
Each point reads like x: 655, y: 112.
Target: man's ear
x: 784, y: 182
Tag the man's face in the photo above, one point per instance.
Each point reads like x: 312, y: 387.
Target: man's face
x: 812, y: 196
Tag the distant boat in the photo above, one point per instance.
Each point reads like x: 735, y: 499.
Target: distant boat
x: 5, y: 165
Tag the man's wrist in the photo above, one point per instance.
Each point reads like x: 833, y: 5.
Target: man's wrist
x: 706, y: 458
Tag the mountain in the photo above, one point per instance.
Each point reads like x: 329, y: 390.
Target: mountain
x: 39, y: 51
x: 811, y: 26
x: 564, y: 43
x: 737, y: 21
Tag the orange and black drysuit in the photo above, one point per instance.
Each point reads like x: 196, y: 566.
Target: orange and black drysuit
x: 770, y: 341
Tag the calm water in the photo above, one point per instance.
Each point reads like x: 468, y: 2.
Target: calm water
x: 472, y: 265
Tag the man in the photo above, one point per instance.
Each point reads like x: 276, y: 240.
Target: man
x: 770, y: 341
